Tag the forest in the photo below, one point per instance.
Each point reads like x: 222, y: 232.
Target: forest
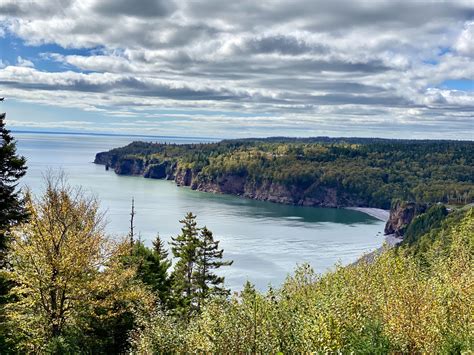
x: 71, y: 288
x: 332, y: 172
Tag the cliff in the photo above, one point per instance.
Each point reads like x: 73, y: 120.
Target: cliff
x: 275, y: 192
x: 130, y: 166
x: 233, y: 184
x: 401, y: 215
x: 336, y: 174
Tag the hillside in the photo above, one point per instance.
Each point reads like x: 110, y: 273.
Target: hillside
x: 405, y: 301
x: 329, y: 172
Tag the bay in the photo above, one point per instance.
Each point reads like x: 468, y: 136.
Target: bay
x: 265, y: 240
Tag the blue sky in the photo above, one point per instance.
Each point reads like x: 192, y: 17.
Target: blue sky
x: 215, y: 69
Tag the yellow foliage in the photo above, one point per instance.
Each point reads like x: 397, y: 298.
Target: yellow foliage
x: 64, y: 267
x: 394, y: 304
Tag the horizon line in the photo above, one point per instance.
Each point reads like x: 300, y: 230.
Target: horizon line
x: 75, y: 133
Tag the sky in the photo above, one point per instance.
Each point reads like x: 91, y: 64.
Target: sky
x: 247, y: 68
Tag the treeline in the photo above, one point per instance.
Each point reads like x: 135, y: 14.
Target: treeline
x: 365, y: 172
x: 396, y: 304
x: 76, y: 290
x: 73, y: 289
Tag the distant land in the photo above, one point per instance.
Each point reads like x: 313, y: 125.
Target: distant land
x: 217, y: 139
x: 317, y: 171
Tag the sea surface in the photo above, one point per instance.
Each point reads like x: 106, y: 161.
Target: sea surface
x: 265, y: 240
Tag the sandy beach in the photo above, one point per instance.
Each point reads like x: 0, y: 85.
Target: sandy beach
x: 374, y: 212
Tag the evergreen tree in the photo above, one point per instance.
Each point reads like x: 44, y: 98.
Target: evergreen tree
x: 12, y: 168
x: 184, y: 248
x: 209, y: 258
x: 152, y: 268
x: 69, y: 277
x: 160, y: 249
x: 160, y: 267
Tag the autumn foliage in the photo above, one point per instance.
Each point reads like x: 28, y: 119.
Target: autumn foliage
x: 76, y: 290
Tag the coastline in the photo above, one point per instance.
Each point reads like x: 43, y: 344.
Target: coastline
x: 378, y: 213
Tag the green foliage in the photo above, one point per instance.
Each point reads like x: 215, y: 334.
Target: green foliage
x: 368, y: 172
x: 209, y: 258
x: 69, y: 279
x: 198, y: 256
x: 12, y: 211
x: 425, y: 222
x: 184, y: 248
x: 152, y: 267
x: 393, y: 305
x: 12, y: 168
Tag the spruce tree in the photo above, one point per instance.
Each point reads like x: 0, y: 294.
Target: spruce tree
x: 184, y: 248
x: 209, y: 259
x: 12, y: 168
x: 160, y: 249
x: 152, y: 265
x: 12, y: 211
x: 158, y: 266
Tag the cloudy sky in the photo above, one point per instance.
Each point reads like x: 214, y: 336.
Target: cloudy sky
x: 219, y: 68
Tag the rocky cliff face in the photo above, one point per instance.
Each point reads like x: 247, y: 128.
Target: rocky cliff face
x: 401, y: 215
x: 274, y: 192
x: 183, y: 176
x: 228, y: 183
x: 164, y: 170
x: 130, y: 166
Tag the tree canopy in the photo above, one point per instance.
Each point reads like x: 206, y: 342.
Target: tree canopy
x: 365, y: 172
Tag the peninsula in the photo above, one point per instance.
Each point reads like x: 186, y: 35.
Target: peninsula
x: 320, y: 171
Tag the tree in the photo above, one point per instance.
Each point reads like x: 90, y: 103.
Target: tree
x: 12, y: 168
x: 66, y: 271
x: 12, y: 211
x: 209, y: 258
x: 152, y: 265
x: 184, y: 248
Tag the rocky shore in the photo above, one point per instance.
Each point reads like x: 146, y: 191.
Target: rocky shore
x: 232, y: 184
x: 397, y: 219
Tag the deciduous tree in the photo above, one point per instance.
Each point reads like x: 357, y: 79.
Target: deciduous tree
x: 65, y: 270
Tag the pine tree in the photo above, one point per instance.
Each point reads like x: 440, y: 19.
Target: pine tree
x: 209, y: 259
x: 153, y: 266
x: 12, y: 168
x: 12, y: 211
x: 184, y: 248
x: 159, y: 248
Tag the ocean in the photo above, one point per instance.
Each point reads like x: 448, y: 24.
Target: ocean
x: 265, y: 240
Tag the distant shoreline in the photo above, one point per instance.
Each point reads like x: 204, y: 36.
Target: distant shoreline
x: 218, y: 139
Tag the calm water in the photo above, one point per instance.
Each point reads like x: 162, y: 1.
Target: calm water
x: 265, y: 240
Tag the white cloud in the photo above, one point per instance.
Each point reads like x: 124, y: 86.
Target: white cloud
x: 22, y: 62
x: 465, y: 43
x: 375, y: 64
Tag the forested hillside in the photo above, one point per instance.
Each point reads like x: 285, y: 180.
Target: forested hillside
x: 77, y: 290
x: 313, y: 171
x: 407, y: 300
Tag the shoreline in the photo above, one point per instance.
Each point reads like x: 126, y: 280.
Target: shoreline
x: 378, y: 213
x: 390, y: 241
